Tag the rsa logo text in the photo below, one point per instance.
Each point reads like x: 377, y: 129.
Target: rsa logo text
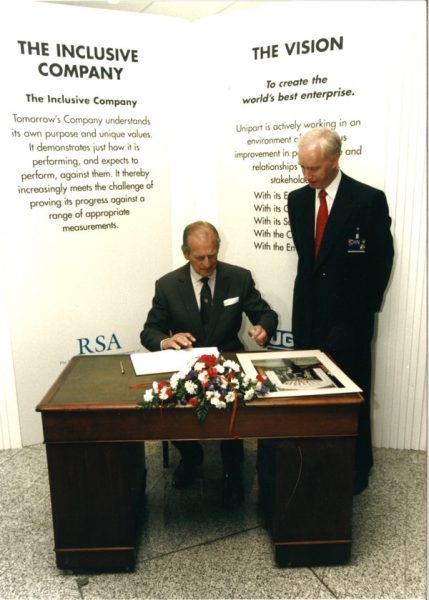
x: 101, y: 343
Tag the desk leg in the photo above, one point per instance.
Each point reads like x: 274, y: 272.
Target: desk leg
x: 306, y: 488
x: 97, y: 496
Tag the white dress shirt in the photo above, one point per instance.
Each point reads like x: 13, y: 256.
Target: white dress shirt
x: 197, y: 284
x: 331, y: 191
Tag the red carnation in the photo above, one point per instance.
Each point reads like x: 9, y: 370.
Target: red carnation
x: 208, y: 359
x: 193, y: 401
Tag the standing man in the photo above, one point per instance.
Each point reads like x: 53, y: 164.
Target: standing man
x: 341, y: 231
x: 201, y: 304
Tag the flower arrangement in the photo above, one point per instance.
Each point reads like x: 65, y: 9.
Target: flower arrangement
x: 209, y: 381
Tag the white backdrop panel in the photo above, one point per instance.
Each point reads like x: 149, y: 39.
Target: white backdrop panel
x: 86, y: 196
x: 276, y: 73
x: 205, y: 126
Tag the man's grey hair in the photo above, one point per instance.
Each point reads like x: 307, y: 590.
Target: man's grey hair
x: 197, y: 227
x: 328, y: 139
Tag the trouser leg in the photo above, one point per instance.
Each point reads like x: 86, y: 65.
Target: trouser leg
x: 232, y: 455
x: 357, y: 366
x: 191, y: 451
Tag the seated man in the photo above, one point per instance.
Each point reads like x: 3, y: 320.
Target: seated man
x: 201, y: 304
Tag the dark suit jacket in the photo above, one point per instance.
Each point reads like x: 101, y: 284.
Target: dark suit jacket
x: 175, y: 309
x: 336, y: 295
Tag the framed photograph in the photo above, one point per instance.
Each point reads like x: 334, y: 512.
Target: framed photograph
x: 298, y: 373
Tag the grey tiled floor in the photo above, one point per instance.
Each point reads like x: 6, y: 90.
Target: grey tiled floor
x: 191, y: 549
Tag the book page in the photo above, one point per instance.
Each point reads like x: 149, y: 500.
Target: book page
x: 166, y: 361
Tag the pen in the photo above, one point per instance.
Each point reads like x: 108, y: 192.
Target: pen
x: 122, y: 367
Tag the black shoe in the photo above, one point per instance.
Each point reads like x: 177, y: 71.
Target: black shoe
x: 183, y: 475
x: 360, y: 482
x: 232, y: 490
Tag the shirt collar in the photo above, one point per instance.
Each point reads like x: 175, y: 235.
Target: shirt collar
x: 196, y: 277
x: 332, y: 188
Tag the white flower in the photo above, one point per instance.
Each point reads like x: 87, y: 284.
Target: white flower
x: 174, y: 380
x: 198, y: 366
x: 220, y: 369
x: 230, y: 364
x: 230, y: 397
x: 182, y: 374
x: 190, y: 387
x: 247, y: 380
x: 155, y: 387
x: 217, y: 403
x: 202, y: 376
x: 148, y: 396
x: 223, y: 383
x: 163, y: 394
x: 249, y: 394
x: 235, y: 383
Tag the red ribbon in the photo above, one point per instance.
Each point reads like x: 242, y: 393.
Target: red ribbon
x: 138, y: 385
x: 233, y: 416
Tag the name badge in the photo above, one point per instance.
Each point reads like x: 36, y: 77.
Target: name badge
x: 356, y: 244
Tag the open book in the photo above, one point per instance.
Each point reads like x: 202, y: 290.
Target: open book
x: 167, y: 361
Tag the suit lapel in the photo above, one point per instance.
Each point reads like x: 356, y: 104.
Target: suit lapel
x: 187, y: 296
x: 306, y: 235
x: 221, y: 292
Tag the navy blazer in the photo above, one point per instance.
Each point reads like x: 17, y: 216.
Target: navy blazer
x: 337, y: 294
x: 175, y: 309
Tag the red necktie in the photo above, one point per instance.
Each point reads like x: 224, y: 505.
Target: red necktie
x: 322, y: 218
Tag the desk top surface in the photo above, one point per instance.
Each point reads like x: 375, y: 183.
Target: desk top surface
x: 93, y: 383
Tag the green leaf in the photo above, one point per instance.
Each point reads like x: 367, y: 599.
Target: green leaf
x: 202, y: 411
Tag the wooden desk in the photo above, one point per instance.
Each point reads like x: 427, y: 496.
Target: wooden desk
x: 94, y: 437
